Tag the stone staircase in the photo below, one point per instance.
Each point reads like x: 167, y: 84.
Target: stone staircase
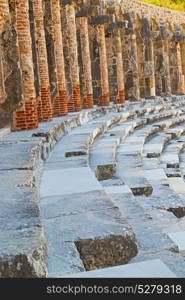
x: 111, y: 184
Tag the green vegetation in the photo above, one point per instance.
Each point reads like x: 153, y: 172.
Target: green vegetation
x: 172, y: 4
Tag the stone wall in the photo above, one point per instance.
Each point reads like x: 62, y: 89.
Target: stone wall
x: 61, y: 56
x: 152, y: 11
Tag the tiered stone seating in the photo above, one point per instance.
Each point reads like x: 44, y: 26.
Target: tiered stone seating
x: 92, y: 216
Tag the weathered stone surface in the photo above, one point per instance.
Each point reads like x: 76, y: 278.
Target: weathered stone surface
x: 55, y: 182
x: 19, y: 155
x: 174, y: 261
x: 26, y: 254
x: 108, y: 241
x: 151, y: 269
x: 179, y: 239
x: 66, y: 205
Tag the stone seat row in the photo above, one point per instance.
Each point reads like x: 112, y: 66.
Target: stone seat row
x: 79, y: 188
x: 165, y: 198
x: 26, y: 255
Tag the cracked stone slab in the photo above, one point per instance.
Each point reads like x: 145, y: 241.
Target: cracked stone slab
x: 63, y: 258
x: 170, y: 159
x: 119, y: 189
x: 64, y: 205
x: 177, y: 226
x: 147, y: 269
x: 110, y: 182
x: 23, y: 251
x: 151, y: 163
x: 177, y: 184
x: 152, y: 150
x: 139, y: 186
x: 179, y: 239
x: 144, y: 222
x: 68, y: 181
x: 159, y: 197
x: 102, y: 238
x: 19, y: 155
x: 128, y: 148
x: 172, y: 172
x: 155, y: 175
x: 121, y: 130
x: 67, y: 162
x: 12, y: 179
x: 102, y: 158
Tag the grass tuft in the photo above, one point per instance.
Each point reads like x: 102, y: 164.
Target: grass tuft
x: 172, y: 4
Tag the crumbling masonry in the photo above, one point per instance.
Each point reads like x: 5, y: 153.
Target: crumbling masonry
x: 61, y: 56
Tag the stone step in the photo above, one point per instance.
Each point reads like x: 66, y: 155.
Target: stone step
x: 80, y: 213
x: 179, y: 239
x: 177, y: 184
x: 105, y: 167
x: 23, y: 251
x: 77, y: 142
x: 103, y: 161
x: 146, y: 269
x: 170, y: 158
x: 145, y: 219
x: 56, y: 182
x: 155, y: 146
x: 174, y: 261
x: 102, y: 158
x: 103, y: 238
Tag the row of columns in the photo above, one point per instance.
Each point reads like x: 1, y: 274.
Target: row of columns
x: 148, y: 62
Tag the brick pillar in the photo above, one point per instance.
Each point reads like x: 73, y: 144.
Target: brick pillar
x: 26, y: 117
x: 86, y: 59
x: 104, y: 98
x: 75, y: 101
x: 120, y: 71
x: 60, y: 104
x: 46, y: 107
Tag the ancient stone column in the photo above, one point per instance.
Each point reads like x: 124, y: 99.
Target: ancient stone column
x: 120, y: 71
x: 146, y: 58
x: 35, y: 59
x: 86, y: 60
x: 130, y: 58
x: 75, y: 101
x: 4, y: 17
x: 60, y: 103
x: 161, y: 58
x: 45, y: 94
x: 104, y: 98
x: 182, y: 48
x: 150, y: 67
x: 50, y: 48
x: 176, y: 72
x: 10, y: 73
x: 26, y: 117
x: 1, y: 81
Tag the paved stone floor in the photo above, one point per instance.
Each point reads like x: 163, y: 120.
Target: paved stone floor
x: 101, y: 193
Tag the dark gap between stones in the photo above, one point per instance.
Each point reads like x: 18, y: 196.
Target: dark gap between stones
x: 179, y: 212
